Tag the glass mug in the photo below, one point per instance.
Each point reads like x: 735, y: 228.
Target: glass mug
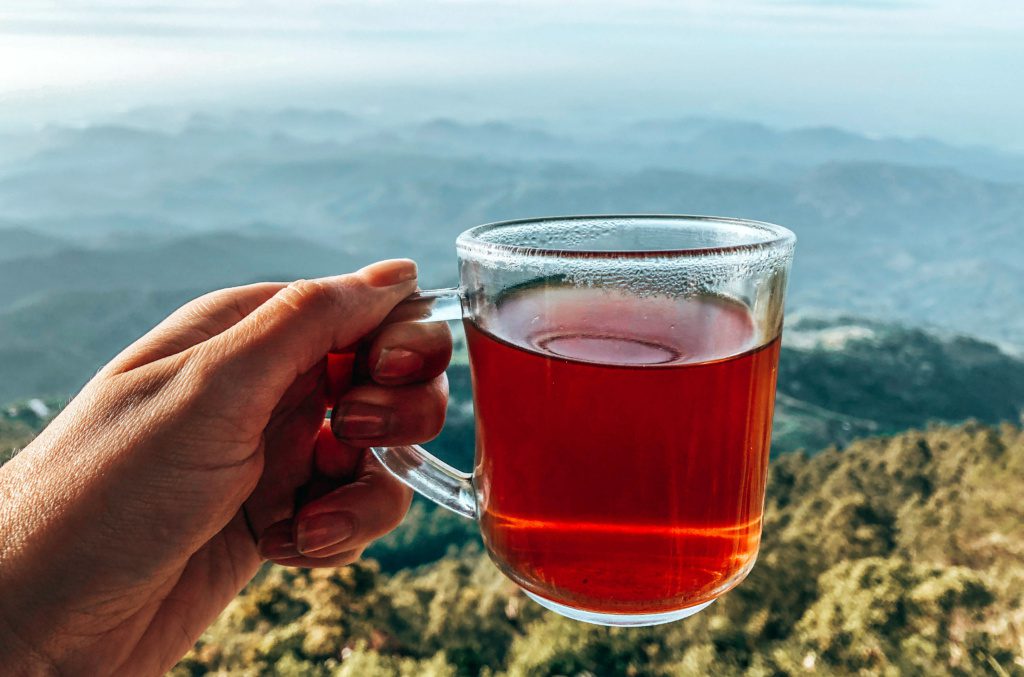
x: 623, y: 372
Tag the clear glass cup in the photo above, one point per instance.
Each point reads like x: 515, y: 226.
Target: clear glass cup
x: 623, y: 384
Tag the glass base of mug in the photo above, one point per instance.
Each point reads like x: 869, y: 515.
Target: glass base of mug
x: 618, y: 620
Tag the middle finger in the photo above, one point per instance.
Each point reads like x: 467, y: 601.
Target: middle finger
x: 409, y: 352
x: 375, y: 415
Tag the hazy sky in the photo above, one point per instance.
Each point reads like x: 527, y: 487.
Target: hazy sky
x: 949, y: 68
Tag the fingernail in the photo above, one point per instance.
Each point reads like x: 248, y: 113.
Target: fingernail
x: 397, y: 362
x: 324, y: 531
x: 357, y: 420
x: 389, y: 273
x: 275, y: 547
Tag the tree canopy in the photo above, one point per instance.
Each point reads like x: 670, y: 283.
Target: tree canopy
x: 899, y: 555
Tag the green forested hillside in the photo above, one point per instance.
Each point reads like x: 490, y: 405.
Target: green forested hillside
x: 842, y: 378
x: 901, y: 555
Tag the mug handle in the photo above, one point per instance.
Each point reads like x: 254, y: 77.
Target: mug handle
x: 413, y: 465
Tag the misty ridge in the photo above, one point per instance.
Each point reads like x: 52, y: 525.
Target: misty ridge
x: 141, y: 212
x: 906, y: 229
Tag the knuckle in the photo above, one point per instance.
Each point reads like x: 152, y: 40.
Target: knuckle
x: 203, y: 368
x: 210, y: 299
x: 306, y: 295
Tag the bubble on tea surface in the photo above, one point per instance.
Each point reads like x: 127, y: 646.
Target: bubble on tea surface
x: 607, y: 349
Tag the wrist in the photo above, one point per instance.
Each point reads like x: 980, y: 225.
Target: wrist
x: 25, y: 615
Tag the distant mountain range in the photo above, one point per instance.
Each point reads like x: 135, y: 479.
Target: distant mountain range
x: 199, y: 262
x: 906, y: 230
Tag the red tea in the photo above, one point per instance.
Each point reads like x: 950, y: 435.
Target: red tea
x: 622, y: 445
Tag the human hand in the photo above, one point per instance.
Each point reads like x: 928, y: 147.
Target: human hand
x: 132, y: 520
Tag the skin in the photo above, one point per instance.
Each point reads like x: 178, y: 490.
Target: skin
x: 201, y: 451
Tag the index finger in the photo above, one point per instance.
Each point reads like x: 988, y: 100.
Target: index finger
x: 253, y: 362
x: 195, y: 322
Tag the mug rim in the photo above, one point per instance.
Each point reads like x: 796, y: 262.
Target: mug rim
x: 776, y: 237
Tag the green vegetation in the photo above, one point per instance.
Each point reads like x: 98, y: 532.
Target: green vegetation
x: 898, y: 555
x: 895, y: 377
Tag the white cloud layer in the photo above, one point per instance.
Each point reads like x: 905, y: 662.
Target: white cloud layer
x: 932, y: 66
x: 912, y: 17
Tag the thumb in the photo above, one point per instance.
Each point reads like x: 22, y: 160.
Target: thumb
x: 252, y: 364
